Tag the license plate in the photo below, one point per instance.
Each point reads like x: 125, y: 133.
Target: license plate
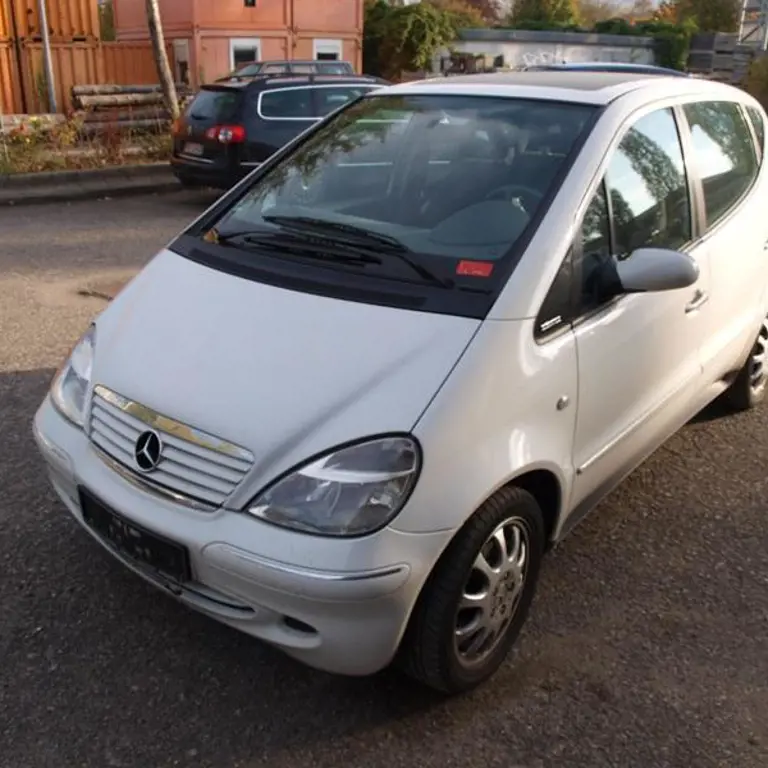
x: 146, y: 548
x: 194, y: 149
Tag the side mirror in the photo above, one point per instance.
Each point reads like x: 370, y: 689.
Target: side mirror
x: 656, y: 269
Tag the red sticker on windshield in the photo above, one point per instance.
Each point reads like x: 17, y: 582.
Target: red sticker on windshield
x: 475, y: 268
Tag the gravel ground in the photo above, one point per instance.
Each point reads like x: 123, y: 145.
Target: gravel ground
x: 647, y: 644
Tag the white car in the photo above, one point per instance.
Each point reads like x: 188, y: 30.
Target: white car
x: 350, y: 407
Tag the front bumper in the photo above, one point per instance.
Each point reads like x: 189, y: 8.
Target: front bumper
x: 337, y: 605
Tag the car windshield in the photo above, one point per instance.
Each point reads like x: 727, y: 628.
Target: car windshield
x: 449, y: 181
x: 214, y: 105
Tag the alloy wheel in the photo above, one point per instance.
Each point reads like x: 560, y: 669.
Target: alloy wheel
x: 492, y: 591
x: 758, y: 361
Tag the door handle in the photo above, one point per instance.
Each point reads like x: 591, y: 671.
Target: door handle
x: 700, y: 298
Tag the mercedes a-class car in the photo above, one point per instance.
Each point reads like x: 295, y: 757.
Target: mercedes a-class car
x: 351, y: 406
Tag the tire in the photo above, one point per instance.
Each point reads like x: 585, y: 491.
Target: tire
x: 751, y: 385
x: 430, y: 651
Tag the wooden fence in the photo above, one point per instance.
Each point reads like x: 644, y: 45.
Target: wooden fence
x: 22, y: 80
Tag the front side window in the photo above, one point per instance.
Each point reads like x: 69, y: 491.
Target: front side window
x: 288, y: 103
x: 648, y: 188
x: 642, y: 201
x: 588, y: 265
x: 427, y: 190
x: 724, y: 154
x: 595, y: 252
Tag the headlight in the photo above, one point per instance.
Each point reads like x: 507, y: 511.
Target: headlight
x: 349, y: 492
x: 70, y: 387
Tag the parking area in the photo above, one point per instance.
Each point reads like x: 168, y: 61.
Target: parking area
x: 647, y: 645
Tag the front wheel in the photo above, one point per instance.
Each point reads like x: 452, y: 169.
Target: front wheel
x: 751, y: 385
x: 475, y: 603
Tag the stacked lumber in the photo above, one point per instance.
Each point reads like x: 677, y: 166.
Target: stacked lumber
x: 720, y: 56
x: 107, y: 108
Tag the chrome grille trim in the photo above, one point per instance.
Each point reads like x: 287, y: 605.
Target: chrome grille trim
x: 195, y: 466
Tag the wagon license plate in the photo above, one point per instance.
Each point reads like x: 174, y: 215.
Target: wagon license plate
x: 194, y: 149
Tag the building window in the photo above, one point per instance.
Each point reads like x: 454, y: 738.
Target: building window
x: 244, y: 50
x: 327, y: 50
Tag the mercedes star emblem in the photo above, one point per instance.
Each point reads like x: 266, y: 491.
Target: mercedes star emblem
x: 148, y: 451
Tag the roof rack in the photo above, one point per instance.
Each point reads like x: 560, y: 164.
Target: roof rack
x: 607, y: 66
x: 310, y: 76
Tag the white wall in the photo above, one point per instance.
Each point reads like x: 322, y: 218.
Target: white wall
x: 519, y: 54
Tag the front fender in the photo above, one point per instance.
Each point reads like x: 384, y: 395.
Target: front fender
x: 495, y: 419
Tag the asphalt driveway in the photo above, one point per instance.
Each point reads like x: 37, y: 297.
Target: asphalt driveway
x: 648, y: 644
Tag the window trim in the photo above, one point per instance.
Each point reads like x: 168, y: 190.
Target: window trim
x: 312, y: 87
x: 695, y: 187
x: 543, y: 335
x: 327, y: 45
x: 707, y: 228
x: 243, y: 43
x: 759, y: 148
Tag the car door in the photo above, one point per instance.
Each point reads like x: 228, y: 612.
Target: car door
x: 639, y: 359
x: 723, y: 154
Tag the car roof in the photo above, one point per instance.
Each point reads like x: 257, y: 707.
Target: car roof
x: 300, y: 61
x: 267, y: 82
x: 584, y: 87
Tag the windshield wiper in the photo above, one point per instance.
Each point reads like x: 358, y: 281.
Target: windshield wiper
x: 269, y: 240
x: 372, y: 241
x: 309, y: 222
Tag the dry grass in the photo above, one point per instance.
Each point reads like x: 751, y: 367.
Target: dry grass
x: 36, y: 146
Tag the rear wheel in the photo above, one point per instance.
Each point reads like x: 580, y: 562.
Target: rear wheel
x: 475, y: 603
x: 751, y: 385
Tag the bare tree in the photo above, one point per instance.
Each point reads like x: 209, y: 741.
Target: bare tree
x: 161, y: 59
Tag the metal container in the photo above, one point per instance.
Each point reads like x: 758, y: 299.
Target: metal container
x: 67, y: 19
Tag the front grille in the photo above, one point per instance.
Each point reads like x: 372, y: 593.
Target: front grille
x: 193, y: 464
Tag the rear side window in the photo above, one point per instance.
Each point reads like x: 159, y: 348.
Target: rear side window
x: 647, y: 187
x: 215, y: 105
x: 329, y: 99
x: 289, y: 103
x: 757, y: 123
x: 723, y: 152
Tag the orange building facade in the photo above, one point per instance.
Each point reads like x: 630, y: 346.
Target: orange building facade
x: 212, y: 37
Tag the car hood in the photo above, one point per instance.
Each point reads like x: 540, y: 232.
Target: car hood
x: 284, y: 374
